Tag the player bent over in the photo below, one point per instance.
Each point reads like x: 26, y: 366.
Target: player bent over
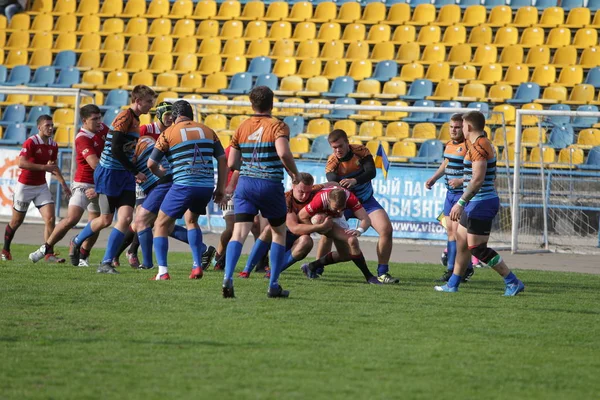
x: 189, y: 147
x: 38, y: 156
x: 477, y: 208
x: 335, y: 202
x: 115, y: 178
x: 89, y: 144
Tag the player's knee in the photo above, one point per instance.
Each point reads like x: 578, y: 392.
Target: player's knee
x: 106, y: 220
x: 353, y: 242
x: 486, y: 254
x: 305, y: 244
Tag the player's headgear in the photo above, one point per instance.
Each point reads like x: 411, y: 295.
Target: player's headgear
x: 163, y: 108
x: 182, y: 108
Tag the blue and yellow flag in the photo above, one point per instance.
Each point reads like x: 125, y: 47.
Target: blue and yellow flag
x: 381, y: 160
x: 442, y: 219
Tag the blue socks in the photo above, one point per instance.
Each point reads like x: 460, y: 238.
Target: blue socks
x: 382, y: 269
x: 232, y: 255
x: 161, y: 247
x: 454, y: 281
x: 86, y: 233
x: 277, y: 260
x: 145, y: 238
x: 510, y: 279
x: 115, y: 239
x: 194, y: 237
x: 289, y: 260
x: 259, y: 250
x: 180, y: 233
x: 451, y: 254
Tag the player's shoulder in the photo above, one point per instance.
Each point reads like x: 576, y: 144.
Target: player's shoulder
x: 360, y: 150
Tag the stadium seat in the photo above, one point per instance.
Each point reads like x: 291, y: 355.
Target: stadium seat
x: 524, y: 16
x: 561, y: 136
x: 319, y: 150
x: 581, y: 94
x: 506, y: 36
x: 189, y: 82
x: 585, y: 122
x: 532, y: 36
x: 296, y: 125
x: 258, y: 48
x: 367, y: 115
x: 429, y: 34
x: 481, y: 34
x: 43, y: 77
x: 240, y: 83
x: 419, y: 90
x: 408, y: 52
x: 289, y: 85
x: 217, y: 122
x: 14, y: 134
x: 569, y: 157
x: 593, y: 5
x: 472, y: 92
x: 341, y: 114
x: 499, y: 93
x: 283, y: 48
x: 411, y: 72
x: 588, y: 138
x: 590, y: 57
x: 460, y: 54
x: 317, y: 127
x: 504, y: 135
x: 538, y: 55
x: 532, y: 137
x: 403, y: 151
x: 423, y: 14
x: 437, y: 72
x: 285, y: 67
x: 506, y: 110
x: 569, y: 5
x: 404, y: 34
x: 485, y: 54
x: 420, y: 116
x: 433, y: 53
x: 366, y: 89
x: 474, y: 15
x: 334, y: 69
x: 516, y: 74
x: 268, y: 80
x: 511, y: 54
x: 359, y: 70
x: 228, y: 10
x: 214, y: 83
x: 540, y: 155
x: 445, y: 90
x: 299, y: 146
x: 430, y: 152
x: 570, y: 76
x: 13, y: 114
x: 455, y: 34
x: 558, y: 37
x: 441, y: 118
x: 551, y: 16
x: 393, y: 115
x: 585, y: 37
x: 34, y: 113
x: 526, y: 93
x: 449, y: 14
x: 369, y: 130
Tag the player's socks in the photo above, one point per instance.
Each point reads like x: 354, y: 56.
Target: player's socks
x: 135, y: 245
x: 277, y: 259
x: 451, y: 254
x: 258, y: 251
x: 114, y: 241
x: 9, y: 234
x: 86, y: 233
x: 145, y: 238
x: 454, y: 280
x: 361, y: 263
x: 127, y: 240
x: 161, y: 248
x: 180, y: 233
x: 84, y: 253
x: 194, y: 237
x: 49, y: 249
x: 321, y: 262
x: 289, y: 260
x: 234, y: 250
x: 382, y: 269
x: 162, y: 270
x: 511, y: 279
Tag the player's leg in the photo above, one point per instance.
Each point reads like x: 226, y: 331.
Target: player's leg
x: 194, y: 237
x: 297, y: 250
x: 88, y: 244
x: 124, y: 204
x: 143, y: 222
x: 9, y: 232
x: 324, y: 246
x: 224, y: 239
x: 260, y: 223
x: 162, y: 225
x: 335, y: 236
x: 463, y: 256
x: 258, y: 252
x: 277, y: 257
x: 108, y: 206
x: 382, y: 225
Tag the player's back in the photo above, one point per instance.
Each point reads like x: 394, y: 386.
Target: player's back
x: 481, y: 150
x: 455, y: 154
x: 255, y: 139
x: 189, y: 147
x: 128, y: 124
x: 143, y: 150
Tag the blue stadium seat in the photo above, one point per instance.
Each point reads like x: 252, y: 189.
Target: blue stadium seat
x: 296, y: 124
x: 593, y: 77
x: 542, y: 4
x: 593, y: 159
x: 419, y: 116
x: 19, y: 75
x: 319, y: 149
x: 341, y: 114
x: 32, y: 131
x: 34, y: 113
x: 585, y: 122
x: 418, y: 90
x: 431, y: 151
x: 12, y: 114
x: 116, y: 98
x: 593, y: 5
x: 3, y: 74
x: 67, y: 77
x: 260, y: 65
x: 65, y: 59
x: 516, y: 4
x: 390, y: 3
x: 558, y: 119
x: 442, y: 3
x: 240, y: 83
x: 568, y: 5
x: 43, y: 76
x: 14, y: 134
x: 480, y: 106
x: 526, y: 93
x: 341, y: 87
x: 414, y: 3
x: 385, y: 70
x: 467, y: 3
x: 109, y: 115
x: 561, y: 136
x: 489, y: 4
x: 440, y: 118
x: 268, y: 80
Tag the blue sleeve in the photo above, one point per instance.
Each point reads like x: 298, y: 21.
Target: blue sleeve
x: 218, y: 150
x: 156, y: 155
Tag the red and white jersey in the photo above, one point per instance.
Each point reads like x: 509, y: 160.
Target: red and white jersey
x: 87, y: 143
x: 320, y: 203
x: 36, y: 151
x: 150, y: 130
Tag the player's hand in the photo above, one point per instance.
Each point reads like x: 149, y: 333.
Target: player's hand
x: 140, y: 177
x: 67, y: 191
x: 52, y: 168
x: 294, y: 177
x: 229, y: 190
x: 348, y: 183
x: 455, y: 183
x: 91, y: 193
x: 456, y: 212
x: 352, y: 232
x: 430, y: 182
x: 325, y: 226
x: 218, y: 196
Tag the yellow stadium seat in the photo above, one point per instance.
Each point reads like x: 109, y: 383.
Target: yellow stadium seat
x: 41, y: 22
x: 310, y: 67
x: 234, y: 47
x: 301, y: 11
x: 403, y: 151
x: 506, y: 36
x: 360, y: 69
x: 438, y: 71
x: 161, y: 44
x: 347, y: 125
x: 112, y: 26
x: 253, y: 11
x: 516, y: 74
x: 184, y: 27
x: 91, y: 79
x: 500, y: 16
x: 22, y: 22
x: 161, y: 63
x: 141, y: 78
x: 564, y: 56
x: 115, y: 80
x: 190, y: 82
x: 304, y: 31
x: 408, y: 52
x: 299, y: 146
x: 259, y: 48
x: 411, y: 72
x: 392, y: 90
x: 570, y: 76
x: 394, y: 115
x: 204, y: 10
x: 532, y: 36
x: 504, y: 135
x: 280, y: 30
x: 317, y: 127
x: 544, y: 75
x: 181, y: 9
x: 283, y: 48
x: 396, y: 131
x: 217, y: 122
x: 538, y: 55
x: 581, y: 94
x: 507, y: 110
x: 540, y: 155
x: 485, y: 54
x: 448, y: 15
x: 590, y: 57
x: 113, y: 43
x: 423, y: 14
x: 422, y: 132
x: 481, y: 34
x: 500, y: 92
x: 369, y: 130
x: 89, y: 41
x: 317, y: 113
x: 324, y: 12
x: 373, y: 145
x: 551, y: 17
x: 525, y: 16
x: 348, y: 13
x: 289, y: 86
x: 137, y: 44
x: 569, y: 158
x: 210, y: 63
x: 64, y: 136
x: 65, y: 7
x: 474, y: 16
x: 277, y: 11
x: 596, y: 22
x: 89, y: 24
x: 366, y: 115
x: 189, y: 45
x: 530, y: 120
x: 16, y: 99
x: 160, y: 27
x: 334, y: 68
x: 585, y: 37
x: 228, y: 10
x: 454, y: 34
x: 16, y: 57
x: 460, y: 54
x: 307, y: 49
x: 472, y: 92
x: 404, y: 34
x: 41, y: 6
x: 236, y: 121
x: 373, y: 13
x: 207, y: 29
x: 134, y: 8
x: 89, y: 59
x: 509, y: 154
x: 19, y: 40
x: 136, y: 26
x: 559, y: 37
x: 166, y: 95
x: 232, y: 29
x: 445, y: 90
x: 329, y: 31
x: 444, y: 134
x: 429, y: 34
x: 366, y: 89
x: 137, y: 62
x: 41, y: 40
x: 398, y: 14
x: 112, y: 61
x: 588, y: 138
x: 63, y: 116
x: 88, y: 7
x: 186, y: 63
x: 291, y: 111
x: 40, y: 58
x: 553, y: 95
x: 533, y: 136
x: 464, y: 73
x: 255, y: 29
x: 315, y: 86
x: 111, y: 8
x: 354, y: 32
x: 214, y: 83
x: 285, y: 66
x: 66, y: 23
x: 578, y: 17
x: 379, y: 33
x: 383, y: 51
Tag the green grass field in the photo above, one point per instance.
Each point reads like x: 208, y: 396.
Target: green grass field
x: 70, y: 333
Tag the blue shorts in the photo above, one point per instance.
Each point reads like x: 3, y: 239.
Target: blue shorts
x: 290, y: 238
x: 154, y: 199
x: 113, y: 182
x: 253, y: 195
x: 483, y: 209
x: 451, y: 199
x: 181, y: 198
x: 370, y: 205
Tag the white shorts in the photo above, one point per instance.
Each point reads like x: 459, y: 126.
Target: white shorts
x: 79, y: 199
x: 139, y: 192
x: 228, y: 209
x: 25, y: 194
x: 341, y: 222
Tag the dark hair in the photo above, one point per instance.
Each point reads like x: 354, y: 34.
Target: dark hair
x: 141, y: 91
x: 86, y: 111
x: 338, y: 196
x: 336, y: 135
x: 261, y: 98
x: 458, y: 117
x: 306, y: 178
x: 182, y: 108
x: 476, y: 119
x: 43, y: 118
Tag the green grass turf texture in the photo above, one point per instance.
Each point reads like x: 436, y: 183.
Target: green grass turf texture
x: 70, y: 333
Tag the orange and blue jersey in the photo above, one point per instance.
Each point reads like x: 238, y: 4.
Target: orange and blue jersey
x: 481, y: 150
x: 189, y: 148
x: 128, y: 124
x: 455, y: 154
x: 143, y: 150
x: 255, y: 139
x: 351, y: 166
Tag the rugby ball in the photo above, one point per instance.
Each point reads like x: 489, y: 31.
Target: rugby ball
x: 318, y: 218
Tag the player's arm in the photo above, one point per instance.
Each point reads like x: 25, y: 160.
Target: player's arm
x: 24, y: 163
x: 282, y: 146
x: 222, y: 170
x: 479, y: 171
x: 365, y: 221
x: 438, y: 174
x: 314, y: 207
x: 368, y: 174
x: 62, y: 182
x: 234, y: 161
x: 119, y: 141
x: 298, y: 228
x: 235, y: 176
x: 92, y: 160
x: 153, y: 163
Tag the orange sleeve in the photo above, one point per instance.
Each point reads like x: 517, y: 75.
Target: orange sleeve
x: 122, y: 122
x: 481, y: 150
x: 360, y: 150
x: 332, y: 164
x: 235, y: 140
x: 281, y: 130
x: 162, y: 143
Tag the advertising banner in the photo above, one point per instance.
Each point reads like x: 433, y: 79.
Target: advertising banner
x: 9, y: 173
